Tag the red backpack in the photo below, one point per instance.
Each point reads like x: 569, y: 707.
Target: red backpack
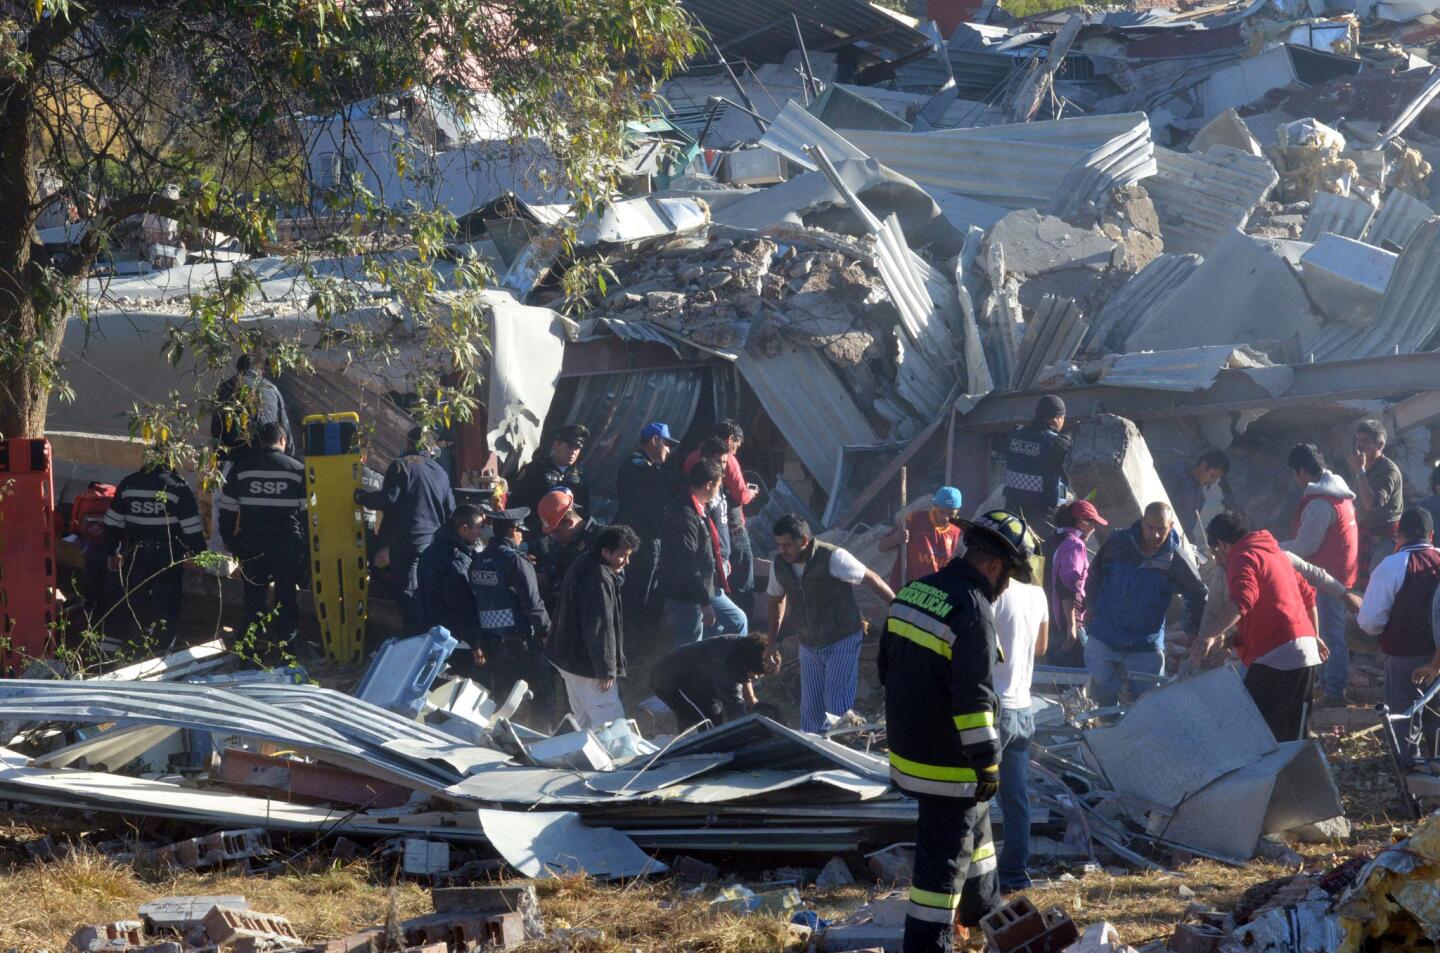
x: 87, y: 513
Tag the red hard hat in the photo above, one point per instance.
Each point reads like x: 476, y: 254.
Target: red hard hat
x: 553, y: 507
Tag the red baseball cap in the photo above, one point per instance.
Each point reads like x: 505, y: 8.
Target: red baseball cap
x: 1085, y: 510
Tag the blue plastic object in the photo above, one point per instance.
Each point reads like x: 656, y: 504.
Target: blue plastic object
x: 403, y: 670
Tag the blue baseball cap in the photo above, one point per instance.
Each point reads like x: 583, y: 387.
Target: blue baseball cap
x: 947, y: 498
x: 660, y: 430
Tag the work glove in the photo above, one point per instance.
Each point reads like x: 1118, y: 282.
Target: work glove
x: 987, y: 784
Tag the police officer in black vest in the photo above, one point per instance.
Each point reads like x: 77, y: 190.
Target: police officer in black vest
x: 152, y: 525
x: 510, y: 618
x: 1035, y: 458
x: 262, y: 508
x: 444, y: 597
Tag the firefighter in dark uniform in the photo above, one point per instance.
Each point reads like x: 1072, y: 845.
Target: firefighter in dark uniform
x: 262, y: 510
x: 1035, y: 458
x: 510, y: 618
x: 936, y: 661
x: 560, y: 466
x: 152, y: 525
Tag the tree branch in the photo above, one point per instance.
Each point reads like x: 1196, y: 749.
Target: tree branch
x: 87, y: 250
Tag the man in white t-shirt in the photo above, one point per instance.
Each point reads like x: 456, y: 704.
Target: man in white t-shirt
x: 1022, y: 623
x: 812, y: 597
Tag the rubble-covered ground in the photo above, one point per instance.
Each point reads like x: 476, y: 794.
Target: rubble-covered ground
x: 43, y: 901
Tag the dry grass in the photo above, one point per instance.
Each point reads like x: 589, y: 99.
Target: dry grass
x: 42, y: 904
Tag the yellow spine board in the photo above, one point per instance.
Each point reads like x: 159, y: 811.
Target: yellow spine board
x: 339, y: 572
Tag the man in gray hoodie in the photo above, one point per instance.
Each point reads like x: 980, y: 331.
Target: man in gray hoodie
x: 1325, y: 532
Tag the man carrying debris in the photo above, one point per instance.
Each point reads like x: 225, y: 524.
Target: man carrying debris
x: 692, y: 572
x: 414, y: 500
x: 1187, y: 485
x: 1380, y: 495
x: 443, y: 596
x: 1326, y: 533
x: 509, y: 615
x: 1022, y: 624
x: 587, y: 641
x: 642, y: 486
x: 559, y: 467
x: 151, y: 528
x: 1132, y: 581
x: 812, y: 598
x: 1397, y: 608
x: 1067, y: 571
x: 1035, y: 456
x: 262, y: 510
x: 1272, y: 609
x: 929, y: 538
x: 712, y: 680
x: 937, y: 658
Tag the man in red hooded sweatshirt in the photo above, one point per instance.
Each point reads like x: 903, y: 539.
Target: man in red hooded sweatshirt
x: 1273, y: 611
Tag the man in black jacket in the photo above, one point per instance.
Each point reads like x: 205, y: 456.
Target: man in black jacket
x: 690, y: 571
x: 711, y: 680
x: 443, y: 596
x: 587, y: 636
x: 937, y: 658
x: 262, y: 510
x: 415, y: 500
x: 560, y: 466
x: 642, y: 487
x: 152, y: 526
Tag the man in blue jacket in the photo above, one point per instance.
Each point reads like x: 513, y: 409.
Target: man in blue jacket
x: 1132, y: 582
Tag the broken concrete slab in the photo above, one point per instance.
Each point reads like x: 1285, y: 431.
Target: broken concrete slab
x: 179, y: 914
x: 1226, y: 129
x: 879, y: 925
x: 1245, y: 291
x: 1346, y: 279
x: 1110, y: 465
x: 1037, y: 244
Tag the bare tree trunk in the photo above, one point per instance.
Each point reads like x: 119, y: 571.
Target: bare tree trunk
x: 28, y: 341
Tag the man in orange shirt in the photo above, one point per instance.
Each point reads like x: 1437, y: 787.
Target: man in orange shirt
x: 928, y: 536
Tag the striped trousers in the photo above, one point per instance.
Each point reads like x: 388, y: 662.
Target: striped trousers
x: 828, y: 679
x: 954, y: 872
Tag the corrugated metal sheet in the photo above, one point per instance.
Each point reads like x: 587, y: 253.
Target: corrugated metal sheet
x: 1409, y: 313
x: 1052, y: 334
x: 616, y: 406
x: 1129, y: 157
x: 809, y: 405
x: 1399, y: 216
x: 1200, y: 198
x: 1188, y: 369
x: 1020, y: 165
x: 795, y: 130
x: 1137, y: 299
x: 976, y: 72
x: 1337, y: 215
x: 762, y: 29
